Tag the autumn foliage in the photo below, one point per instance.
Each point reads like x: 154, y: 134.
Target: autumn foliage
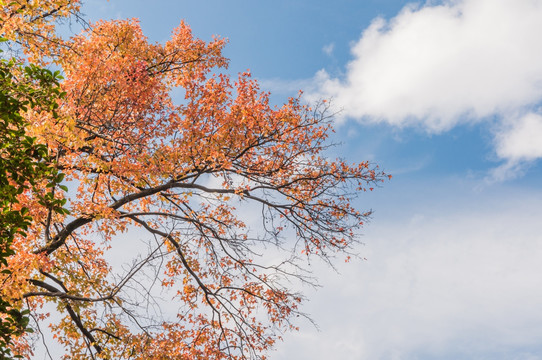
x: 188, y: 216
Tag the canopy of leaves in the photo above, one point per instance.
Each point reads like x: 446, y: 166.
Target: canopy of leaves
x: 24, y: 164
x: 221, y: 197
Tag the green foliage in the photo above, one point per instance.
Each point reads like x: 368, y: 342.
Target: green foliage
x: 24, y: 163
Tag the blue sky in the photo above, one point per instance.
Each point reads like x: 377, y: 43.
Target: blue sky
x: 446, y: 97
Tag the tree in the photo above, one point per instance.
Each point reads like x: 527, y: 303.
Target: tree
x: 23, y: 165
x: 189, y: 178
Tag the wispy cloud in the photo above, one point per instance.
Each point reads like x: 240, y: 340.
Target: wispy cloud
x: 441, y: 65
x: 454, y: 279
x: 328, y: 49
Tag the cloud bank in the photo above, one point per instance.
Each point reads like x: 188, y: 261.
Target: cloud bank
x: 450, y: 281
x: 449, y: 63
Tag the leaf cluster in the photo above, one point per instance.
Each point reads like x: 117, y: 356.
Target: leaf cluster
x: 24, y: 164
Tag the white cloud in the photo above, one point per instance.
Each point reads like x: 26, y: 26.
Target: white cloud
x: 437, y: 63
x: 521, y: 139
x: 519, y: 142
x: 438, y: 66
x: 328, y: 49
x: 456, y: 279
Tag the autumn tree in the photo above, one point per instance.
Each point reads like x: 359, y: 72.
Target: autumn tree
x: 219, y: 197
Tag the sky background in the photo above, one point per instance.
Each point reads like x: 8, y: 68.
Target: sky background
x: 444, y: 95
